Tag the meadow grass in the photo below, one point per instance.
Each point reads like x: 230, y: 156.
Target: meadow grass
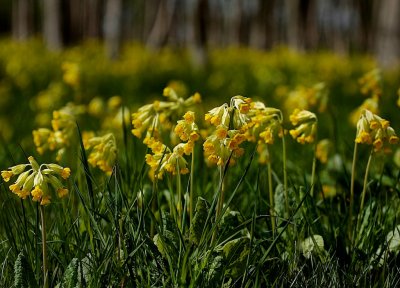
x: 248, y: 198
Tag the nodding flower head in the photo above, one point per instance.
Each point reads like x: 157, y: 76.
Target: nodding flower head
x: 376, y: 131
x: 219, y: 116
x: 38, y: 181
x: 160, y: 114
x: 103, y: 152
x: 305, y: 123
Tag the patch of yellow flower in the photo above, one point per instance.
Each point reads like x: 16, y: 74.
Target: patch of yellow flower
x: 37, y: 180
x: 305, y: 123
x: 376, y: 131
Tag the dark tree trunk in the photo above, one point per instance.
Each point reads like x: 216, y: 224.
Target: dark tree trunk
x: 22, y: 19
x: 52, y: 24
x: 112, y: 27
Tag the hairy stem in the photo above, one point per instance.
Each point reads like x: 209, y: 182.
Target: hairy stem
x: 44, y: 247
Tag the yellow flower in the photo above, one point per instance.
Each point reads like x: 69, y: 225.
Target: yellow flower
x: 219, y: 116
x: 372, y: 129
x: 306, y: 123
x: 62, y: 192
x: 36, y: 180
x: 37, y: 193
x: 186, y: 129
x: 103, y: 153
x: 65, y: 173
x: 6, y: 175
x: 45, y: 200
x: 323, y: 150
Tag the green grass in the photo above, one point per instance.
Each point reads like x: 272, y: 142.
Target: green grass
x: 124, y: 230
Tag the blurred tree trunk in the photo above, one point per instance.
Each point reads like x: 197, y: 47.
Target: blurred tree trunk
x: 52, y: 24
x: 192, y: 32
x: 22, y: 19
x: 388, y: 32
x: 92, y: 18
x: 292, y: 23
x: 112, y: 27
x: 261, y: 32
x: 162, y: 23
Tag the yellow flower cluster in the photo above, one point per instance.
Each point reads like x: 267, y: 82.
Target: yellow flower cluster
x: 37, y: 180
x: 371, y: 83
x: 64, y: 129
x: 305, y: 98
x: 111, y: 113
x: 103, y: 152
x: 242, y: 120
x: 374, y: 130
x: 71, y: 73
x: 173, y: 162
x: 230, y: 123
x: 151, y: 117
x: 305, y: 123
x: 323, y: 149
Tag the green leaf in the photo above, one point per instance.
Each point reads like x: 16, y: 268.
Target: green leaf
x: 23, y: 274
x: 70, y: 279
x: 312, y: 245
x: 199, y: 220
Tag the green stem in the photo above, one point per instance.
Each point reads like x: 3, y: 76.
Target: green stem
x: 271, y: 193
x: 44, y: 248
x: 353, y: 172
x: 285, y: 187
x: 314, y: 165
x: 220, y: 202
x: 364, y: 189
x: 222, y: 194
x: 153, y: 204
x: 179, y: 188
x: 191, y: 189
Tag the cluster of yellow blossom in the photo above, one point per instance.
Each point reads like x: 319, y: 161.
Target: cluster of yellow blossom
x: 305, y: 98
x: 110, y: 112
x: 64, y: 127
x: 151, y: 117
x: 37, y: 180
x: 173, y: 162
x: 103, y: 152
x: 242, y: 120
x: 374, y: 130
x: 230, y: 123
x: 71, y: 73
x: 305, y: 123
x: 265, y: 123
x: 323, y: 150
x: 370, y: 85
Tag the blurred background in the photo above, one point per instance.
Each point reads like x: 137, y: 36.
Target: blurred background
x: 287, y: 53
x: 343, y: 26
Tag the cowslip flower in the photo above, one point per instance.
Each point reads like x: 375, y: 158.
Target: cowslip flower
x: 37, y: 181
x: 158, y: 115
x: 371, y: 83
x: 219, y: 116
x: 305, y: 98
x: 305, y: 123
x: 103, y: 152
x: 63, y: 130
x: 323, y: 149
x: 265, y: 123
x: 187, y: 129
x: 374, y: 130
x: 71, y: 73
